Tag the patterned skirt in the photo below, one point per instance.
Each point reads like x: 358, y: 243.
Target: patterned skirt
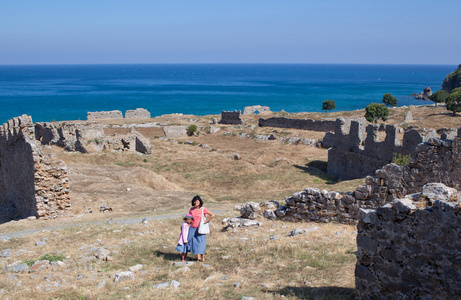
x: 196, y: 241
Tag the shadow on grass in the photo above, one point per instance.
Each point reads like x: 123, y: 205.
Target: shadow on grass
x: 316, y: 293
x: 448, y: 114
x: 318, y: 169
x: 168, y: 256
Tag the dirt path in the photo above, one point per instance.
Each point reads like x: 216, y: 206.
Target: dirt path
x: 23, y: 233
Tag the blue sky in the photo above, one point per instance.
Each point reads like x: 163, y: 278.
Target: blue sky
x: 250, y: 31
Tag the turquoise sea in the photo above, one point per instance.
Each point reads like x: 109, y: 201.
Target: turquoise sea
x: 68, y: 92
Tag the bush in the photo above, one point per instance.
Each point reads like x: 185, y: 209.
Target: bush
x: 376, y: 111
x: 328, y: 105
x: 439, y: 97
x: 388, y: 99
x: 192, y: 129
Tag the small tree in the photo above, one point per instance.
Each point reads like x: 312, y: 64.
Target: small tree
x: 328, y: 105
x: 453, y: 102
x: 439, y: 96
x: 388, y: 99
x: 191, y: 129
x: 376, y: 111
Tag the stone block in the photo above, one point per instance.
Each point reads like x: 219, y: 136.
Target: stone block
x: 138, y: 113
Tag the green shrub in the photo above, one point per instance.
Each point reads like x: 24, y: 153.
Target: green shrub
x: 401, y: 160
x: 192, y: 129
x: 52, y: 257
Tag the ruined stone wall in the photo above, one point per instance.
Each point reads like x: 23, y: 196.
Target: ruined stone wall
x: 31, y: 183
x: 409, y: 251
x: 248, y: 110
x: 356, y: 150
x: 97, y: 115
x: 138, y: 113
x: 230, y: 118
x: 305, y: 124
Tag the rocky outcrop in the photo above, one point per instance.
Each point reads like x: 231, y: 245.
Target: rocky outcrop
x: 452, y: 81
x: 424, y: 95
x: 409, y: 248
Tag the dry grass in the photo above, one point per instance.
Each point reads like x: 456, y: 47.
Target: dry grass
x: 317, y: 265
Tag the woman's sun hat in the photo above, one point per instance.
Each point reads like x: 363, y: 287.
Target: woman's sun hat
x: 188, y: 216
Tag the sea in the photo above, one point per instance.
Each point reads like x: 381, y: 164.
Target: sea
x: 67, y: 92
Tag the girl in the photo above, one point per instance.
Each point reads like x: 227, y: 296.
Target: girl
x: 183, y: 246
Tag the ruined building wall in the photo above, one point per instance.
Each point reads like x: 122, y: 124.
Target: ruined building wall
x: 405, y: 251
x: 230, y: 118
x: 305, y: 124
x: 31, y: 183
x: 356, y: 150
x: 434, y: 161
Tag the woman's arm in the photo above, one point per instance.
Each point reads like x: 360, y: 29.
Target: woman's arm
x: 210, y: 216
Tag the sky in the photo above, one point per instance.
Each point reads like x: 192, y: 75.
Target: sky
x: 237, y: 31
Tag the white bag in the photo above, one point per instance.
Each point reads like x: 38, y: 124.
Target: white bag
x: 203, y: 228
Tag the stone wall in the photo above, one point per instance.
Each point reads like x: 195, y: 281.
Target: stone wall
x: 97, y: 115
x: 305, y: 124
x: 31, y: 183
x: 230, y: 118
x: 248, y: 110
x: 411, y: 250
x: 357, y: 151
x: 138, y: 113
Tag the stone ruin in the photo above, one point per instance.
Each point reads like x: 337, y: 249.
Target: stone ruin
x: 230, y: 118
x: 89, y: 137
x: 248, y: 110
x: 138, y: 113
x: 31, y: 183
x: 408, y: 223
x: 356, y: 150
x: 410, y: 248
x: 305, y: 124
x: 98, y: 115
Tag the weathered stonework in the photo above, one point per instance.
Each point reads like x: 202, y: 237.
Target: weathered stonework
x: 356, y: 150
x: 97, y: 115
x: 248, y: 110
x: 230, y: 118
x: 411, y: 249
x: 172, y: 132
x: 138, y: 113
x: 31, y: 183
x: 305, y: 124
x: 89, y: 137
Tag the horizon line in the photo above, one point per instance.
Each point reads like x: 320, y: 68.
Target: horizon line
x: 225, y: 63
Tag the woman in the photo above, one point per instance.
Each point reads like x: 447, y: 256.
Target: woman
x: 196, y: 240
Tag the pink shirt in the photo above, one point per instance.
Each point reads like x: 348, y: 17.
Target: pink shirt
x: 197, y: 214
x: 184, y: 234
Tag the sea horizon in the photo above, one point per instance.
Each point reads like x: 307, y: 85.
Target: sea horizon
x: 68, y: 91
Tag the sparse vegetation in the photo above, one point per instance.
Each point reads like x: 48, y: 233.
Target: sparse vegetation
x: 400, y: 159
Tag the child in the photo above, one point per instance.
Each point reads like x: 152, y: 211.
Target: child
x: 183, y: 246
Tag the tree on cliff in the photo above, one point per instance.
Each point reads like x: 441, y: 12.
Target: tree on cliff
x: 453, y: 102
x: 389, y: 99
x: 376, y: 111
x: 328, y: 105
x: 439, y: 96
